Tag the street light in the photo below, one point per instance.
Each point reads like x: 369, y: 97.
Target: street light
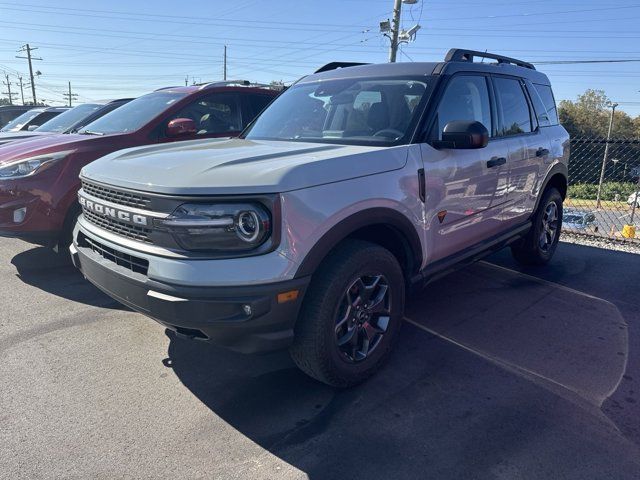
x: 606, y: 154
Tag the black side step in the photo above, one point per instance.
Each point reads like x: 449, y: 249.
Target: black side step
x: 460, y: 260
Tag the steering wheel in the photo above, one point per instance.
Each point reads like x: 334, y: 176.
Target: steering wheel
x: 388, y: 132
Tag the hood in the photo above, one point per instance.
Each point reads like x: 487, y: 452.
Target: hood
x: 45, y: 144
x: 6, y: 137
x: 238, y: 166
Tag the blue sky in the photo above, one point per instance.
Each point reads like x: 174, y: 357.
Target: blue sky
x: 126, y: 48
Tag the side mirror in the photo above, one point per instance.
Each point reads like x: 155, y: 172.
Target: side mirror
x: 179, y: 127
x: 31, y: 128
x: 463, y: 134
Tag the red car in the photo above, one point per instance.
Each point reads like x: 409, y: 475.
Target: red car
x: 39, y: 178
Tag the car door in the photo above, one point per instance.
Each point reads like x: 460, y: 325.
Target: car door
x: 465, y: 189
x: 528, y: 146
x: 215, y: 115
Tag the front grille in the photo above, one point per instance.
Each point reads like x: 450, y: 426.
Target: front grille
x: 113, y: 195
x: 134, y: 232
x: 135, y: 264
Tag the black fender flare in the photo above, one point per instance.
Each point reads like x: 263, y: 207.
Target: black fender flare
x: 558, y: 168
x: 377, y: 216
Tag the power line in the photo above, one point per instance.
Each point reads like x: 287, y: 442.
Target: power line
x: 149, y: 17
x: 254, y: 24
x: 574, y: 62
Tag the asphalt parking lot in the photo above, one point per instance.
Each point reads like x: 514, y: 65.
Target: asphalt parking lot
x: 500, y: 373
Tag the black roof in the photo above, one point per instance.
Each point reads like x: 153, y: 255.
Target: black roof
x: 456, y: 60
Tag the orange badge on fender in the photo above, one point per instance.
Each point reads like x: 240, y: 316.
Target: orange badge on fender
x: 441, y: 215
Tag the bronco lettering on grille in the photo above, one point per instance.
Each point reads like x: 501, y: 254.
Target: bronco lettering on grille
x: 116, y: 214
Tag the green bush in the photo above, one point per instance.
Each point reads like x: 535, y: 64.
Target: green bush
x: 589, y: 191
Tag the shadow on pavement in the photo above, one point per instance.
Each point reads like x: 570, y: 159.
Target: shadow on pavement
x: 42, y: 268
x: 438, y: 410
x: 559, y: 336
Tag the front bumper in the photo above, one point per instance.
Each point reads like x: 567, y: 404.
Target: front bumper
x: 38, y: 226
x: 247, y: 318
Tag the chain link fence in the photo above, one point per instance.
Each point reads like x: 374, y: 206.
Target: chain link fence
x: 604, y: 190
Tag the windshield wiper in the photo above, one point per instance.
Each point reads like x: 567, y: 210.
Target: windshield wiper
x: 90, y: 132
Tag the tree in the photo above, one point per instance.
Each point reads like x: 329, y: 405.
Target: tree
x: 589, y: 116
x: 4, y: 101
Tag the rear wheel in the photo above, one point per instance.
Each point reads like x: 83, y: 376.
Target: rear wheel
x: 351, y: 315
x: 540, y: 244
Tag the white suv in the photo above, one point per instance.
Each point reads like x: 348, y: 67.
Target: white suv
x: 354, y: 186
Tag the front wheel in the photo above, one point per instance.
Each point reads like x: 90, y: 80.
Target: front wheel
x: 540, y: 243
x: 351, y: 315
x: 66, y: 235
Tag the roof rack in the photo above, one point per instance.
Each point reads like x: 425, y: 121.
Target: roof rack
x: 462, y: 55
x: 203, y: 86
x: 336, y: 65
x: 224, y: 83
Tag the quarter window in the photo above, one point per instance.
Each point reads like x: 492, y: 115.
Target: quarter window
x: 549, y: 102
x: 538, y: 106
x: 512, y: 107
x: 466, y: 98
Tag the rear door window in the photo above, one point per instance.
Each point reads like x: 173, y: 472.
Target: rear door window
x: 513, y: 107
x: 549, y: 102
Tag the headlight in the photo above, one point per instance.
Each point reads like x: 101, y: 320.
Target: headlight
x: 231, y: 227
x: 29, y: 166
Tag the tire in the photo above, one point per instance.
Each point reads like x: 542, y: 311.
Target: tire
x: 66, y: 236
x: 533, y: 249
x: 330, y: 311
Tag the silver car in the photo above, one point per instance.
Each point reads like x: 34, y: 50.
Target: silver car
x: 356, y: 185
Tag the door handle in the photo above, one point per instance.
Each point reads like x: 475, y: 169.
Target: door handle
x: 496, y: 161
x: 422, y: 186
x: 542, y: 152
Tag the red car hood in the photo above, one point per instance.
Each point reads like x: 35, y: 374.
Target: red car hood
x: 50, y: 144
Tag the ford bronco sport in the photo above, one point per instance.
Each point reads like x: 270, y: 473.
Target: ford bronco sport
x: 352, y: 187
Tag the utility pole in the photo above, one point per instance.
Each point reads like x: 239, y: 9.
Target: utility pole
x: 224, y: 71
x: 606, y: 154
x: 70, y: 96
x: 395, y: 30
x: 8, y: 93
x: 391, y: 29
x: 29, y: 49
x: 186, y: 81
x: 21, y: 88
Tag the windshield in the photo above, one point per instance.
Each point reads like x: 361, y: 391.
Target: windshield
x: 68, y: 119
x: 349, y: 111
x: 19, y: 122
x: 133, y: 115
